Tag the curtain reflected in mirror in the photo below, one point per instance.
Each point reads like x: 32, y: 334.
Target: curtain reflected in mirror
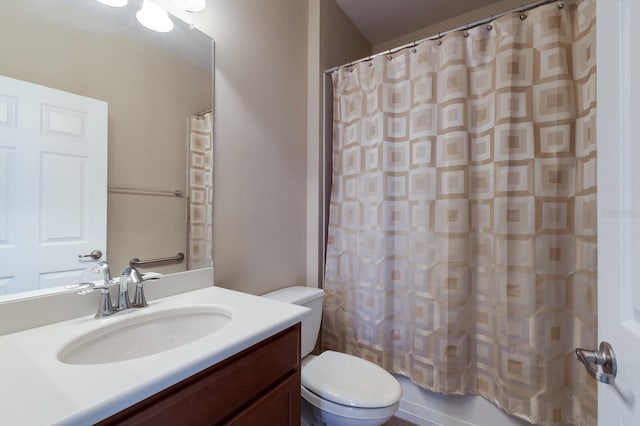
x: 200, y: 190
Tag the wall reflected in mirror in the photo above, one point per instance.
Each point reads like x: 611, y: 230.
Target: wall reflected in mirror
x: 158, y: 87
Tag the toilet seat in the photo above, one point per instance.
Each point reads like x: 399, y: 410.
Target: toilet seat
x: 344, y: 411
x: 349, y: 382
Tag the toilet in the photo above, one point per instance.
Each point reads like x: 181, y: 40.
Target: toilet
x: 338, y: 389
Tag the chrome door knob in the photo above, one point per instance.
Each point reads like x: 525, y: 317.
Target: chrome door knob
x: 94, y: 255
x: 600, y: 364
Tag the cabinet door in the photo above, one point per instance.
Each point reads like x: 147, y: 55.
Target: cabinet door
x: 279, y: 407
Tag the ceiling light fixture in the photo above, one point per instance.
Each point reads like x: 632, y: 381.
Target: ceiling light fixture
x: 114, y: 3
x: 190, y: 5
x: 154, y: 17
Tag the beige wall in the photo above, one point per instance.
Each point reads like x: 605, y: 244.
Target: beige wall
x: 150, y: 91
x: 260, y: 141
x: 499, y: 6
x: 340, y: 40
x: 269, y: 61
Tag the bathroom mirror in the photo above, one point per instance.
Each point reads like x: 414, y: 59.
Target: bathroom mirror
x: 159, y: 90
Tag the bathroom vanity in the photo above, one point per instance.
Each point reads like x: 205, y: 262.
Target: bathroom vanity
x: 244, y: 371
x: 257, y: 386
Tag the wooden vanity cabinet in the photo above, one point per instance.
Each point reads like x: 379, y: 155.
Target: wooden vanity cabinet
x: 258, y: 386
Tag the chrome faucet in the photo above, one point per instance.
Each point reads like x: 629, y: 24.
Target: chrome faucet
x: 103, y: 267
x: 106, y: 307
x: 132, y: 275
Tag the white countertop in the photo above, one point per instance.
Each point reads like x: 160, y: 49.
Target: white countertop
x: 37, y: 389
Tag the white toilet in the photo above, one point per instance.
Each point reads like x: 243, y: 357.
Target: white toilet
x: 338, y: 389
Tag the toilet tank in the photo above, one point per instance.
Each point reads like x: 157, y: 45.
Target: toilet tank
x: 311, y: 298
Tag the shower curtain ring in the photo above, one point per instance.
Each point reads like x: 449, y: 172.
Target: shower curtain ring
x: 523, y: 15
x: 560, y: 5
x: 490, y: 25
x: 439, y: 42
x: 466, y: 31
x: 415, y: 44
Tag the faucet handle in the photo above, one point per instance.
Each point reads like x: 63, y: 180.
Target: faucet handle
x: 139, y: 301
x: 105, y: 307
x: 90, y: 287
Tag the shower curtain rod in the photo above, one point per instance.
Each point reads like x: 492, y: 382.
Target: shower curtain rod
x: 468, y: 26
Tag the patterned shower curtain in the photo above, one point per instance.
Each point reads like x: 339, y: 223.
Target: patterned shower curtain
x: 200, y: 172
x: 462, y: 237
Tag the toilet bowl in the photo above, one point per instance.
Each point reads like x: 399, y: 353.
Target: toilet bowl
x: 338, y: 389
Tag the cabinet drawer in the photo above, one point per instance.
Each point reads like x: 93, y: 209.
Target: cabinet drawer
x: 223, y: 390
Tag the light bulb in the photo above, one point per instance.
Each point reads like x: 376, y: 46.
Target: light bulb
x: 154, y: 17
x: 114, y: 3
x: 190, y: 5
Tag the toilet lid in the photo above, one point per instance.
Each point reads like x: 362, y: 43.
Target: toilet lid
x: 348, y: 380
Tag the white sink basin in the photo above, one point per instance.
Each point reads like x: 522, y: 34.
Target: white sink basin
x: 142, y: 335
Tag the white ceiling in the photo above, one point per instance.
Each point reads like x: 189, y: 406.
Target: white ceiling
x: 382, y: 20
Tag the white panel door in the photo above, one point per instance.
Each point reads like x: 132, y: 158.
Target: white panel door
x: 618, y: 59
x: 53, y: 185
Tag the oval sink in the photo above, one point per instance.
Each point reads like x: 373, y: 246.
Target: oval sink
x: 144, y: 335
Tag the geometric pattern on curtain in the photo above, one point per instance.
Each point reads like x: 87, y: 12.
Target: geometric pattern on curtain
x: 200, y: 191
x: 461, y: 246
